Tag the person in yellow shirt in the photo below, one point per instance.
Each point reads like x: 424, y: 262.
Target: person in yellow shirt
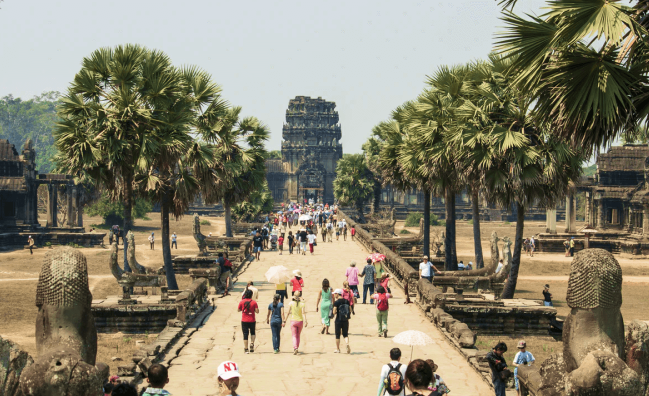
x: 280, y: 288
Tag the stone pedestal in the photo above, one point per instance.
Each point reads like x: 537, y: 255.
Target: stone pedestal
x: 52, y: 206
x: 571, y: 213
x: 126, y: 297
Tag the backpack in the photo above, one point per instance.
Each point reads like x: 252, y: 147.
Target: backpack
x: 382, y: 302
x: 228, y: 263
x: 394, y: 380
x: 343, y: 311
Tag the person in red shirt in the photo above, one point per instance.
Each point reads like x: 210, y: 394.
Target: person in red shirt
x: 353, y: 232
x: 248, y: 308
x: 297, y: 282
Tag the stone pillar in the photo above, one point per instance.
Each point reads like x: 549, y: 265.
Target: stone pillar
x: 69, y: 196
x: 587, y: 209
x: 645, y: 220
x: 601, y: 214
x: 52, y: 205
x: 571, y: 216
x: 551, y: 221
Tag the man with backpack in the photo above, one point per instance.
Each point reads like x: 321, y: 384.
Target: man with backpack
x: 382, y: 307
x: 342, y: 311
x: 393, y: 375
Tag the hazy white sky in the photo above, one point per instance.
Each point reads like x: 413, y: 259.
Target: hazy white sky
x: 368, y: 56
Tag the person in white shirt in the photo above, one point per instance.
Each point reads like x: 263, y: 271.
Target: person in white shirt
x: 255, y: 291
x: 460, y: 266
x: 311, y: 238
x: 395, y: 357
x: 425, y: 269
x: 500, y: 266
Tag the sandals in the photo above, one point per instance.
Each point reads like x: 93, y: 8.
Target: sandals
x: 295, y: 351
x: 349, y: 350
x: 246, y: 351
x: 252, y: 347
x: 323, y: 330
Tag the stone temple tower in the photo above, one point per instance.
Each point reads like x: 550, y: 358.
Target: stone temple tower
x: 311, y: 149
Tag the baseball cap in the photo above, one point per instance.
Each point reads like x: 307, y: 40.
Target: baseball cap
x: 338, y: 291
x: 228, y: 370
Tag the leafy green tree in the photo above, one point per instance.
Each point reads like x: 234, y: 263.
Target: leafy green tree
x: 113, y: 211
x: 354, y: 182
x: 239, y: 166
x: 372, y: 151
x: 583, y: 66
x: 275, y: 154
x: 110, y: 119
x: 33, y: 119
x: 260, y: 201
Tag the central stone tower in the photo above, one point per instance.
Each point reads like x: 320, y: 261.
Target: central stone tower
x: 311, y: 149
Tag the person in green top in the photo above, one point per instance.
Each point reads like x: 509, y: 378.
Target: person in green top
x: 324, y: 304
x: 157, y: 377
x: 378, y: 271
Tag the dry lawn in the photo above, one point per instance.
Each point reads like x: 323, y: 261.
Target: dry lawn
x: 541, y: 347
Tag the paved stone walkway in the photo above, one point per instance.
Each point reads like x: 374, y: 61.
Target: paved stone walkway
x: 316, y: 370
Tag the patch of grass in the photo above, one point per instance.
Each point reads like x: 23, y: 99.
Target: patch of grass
x: 541, y: 347
x: 470, y: 222
x: 101, y: 226
x: 404, y: 231
x: 507, y: 223
x: 413, y: 219
x: 205, y: 222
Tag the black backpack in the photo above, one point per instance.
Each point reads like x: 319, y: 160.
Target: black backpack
x: 343, y: 311
x: 394, y: 381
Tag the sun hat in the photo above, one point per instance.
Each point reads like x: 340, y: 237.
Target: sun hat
x: 297, y: 273
x: 425, y: 257
x: 228, y: 370
x: 338, y: 291
x: 353, y: 263
x: 521, y: 344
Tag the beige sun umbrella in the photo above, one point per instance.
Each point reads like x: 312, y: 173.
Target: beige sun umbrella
x: 278, y: 274
x: 412, y: 338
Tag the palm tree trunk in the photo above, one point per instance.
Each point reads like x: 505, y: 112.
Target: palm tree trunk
x: 228, y: 219
x: 377, y: 197
x: 449, y: 240
x: 427, y: 222
x: 128, y: 212
x: 359, y: 207
x: 166, y: 244
x: 477, y: 241
x: 510, y: 286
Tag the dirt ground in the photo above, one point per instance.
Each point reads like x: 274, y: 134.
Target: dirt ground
x: 541, y: 347
x: 545, y: 268
x: 19, y: 274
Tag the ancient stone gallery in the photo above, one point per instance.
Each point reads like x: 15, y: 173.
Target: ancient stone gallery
x: 310, y: 150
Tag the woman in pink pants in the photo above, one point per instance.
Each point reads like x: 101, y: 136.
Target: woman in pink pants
x: 297, y: 312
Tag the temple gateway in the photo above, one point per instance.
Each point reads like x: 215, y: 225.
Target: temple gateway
x: 311, y: 149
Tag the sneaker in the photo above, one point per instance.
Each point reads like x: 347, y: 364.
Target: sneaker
x: 295, y: 351
x: 385, y: 334
x: 276, y: 350
x: 337, y: 351
x: 252, y: 347
x: 349, y: 350
x: 246, y: 351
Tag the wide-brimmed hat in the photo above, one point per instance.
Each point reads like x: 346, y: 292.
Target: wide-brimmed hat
x: 338, y: 291
x: 297, y: 273
x: 228, y: 370
x: 521, y: 344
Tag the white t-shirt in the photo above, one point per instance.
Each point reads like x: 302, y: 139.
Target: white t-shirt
x: 524, y: 357
x: 384, y: 374
x: 460, y: 266
x: 255, y: 292
x: 311, y: 238
x: 425, y: 268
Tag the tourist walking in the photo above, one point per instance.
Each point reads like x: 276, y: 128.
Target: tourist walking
x: 264, y: 234
x: 297, y: 282
x: 419, y: 376
x: 248, y: 308
x: 572, y: 246
x: 30, y: 242
x: 280, y: 244
x: 547, y: 296
x: 353, y: 232
x: 351, y: 274
x: 497, y: 365
x: 228, y: 378
x: 173, y: 241
x: 426, y: 269
x: 110, y: 239
x: 312, y: 237
x: 566, y: 246
x: 297, y: 314
x: 225, y: 272
x: 257, y: 243
x: 255, y: 291
x: 291, y: 242
x: 274, y: 319
x: 382, y: 306
x: 342, y: 311
x: 345, y: 232
x: 157, y: 377
x: 348, y: 294
x: 152, y: 240
x: 330, y: 231
x: 532, y: 246
x: 303, y: 241
x: 522, y: 358
x: 323, y: 232
x: 393, y: 375
x: 378, y: 272
x: 438, y: 383
x: 368, y: 274
x: 324, y: 305
x: 385, y: 282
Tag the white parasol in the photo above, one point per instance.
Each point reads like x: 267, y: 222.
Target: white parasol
x: 305, y: 217
x: 412, y: 338
x: 278, y: 274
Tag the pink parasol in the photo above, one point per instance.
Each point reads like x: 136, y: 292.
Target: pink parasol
x: 375, y: 257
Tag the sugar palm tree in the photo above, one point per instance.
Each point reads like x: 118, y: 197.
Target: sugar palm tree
x: 583, y: 64
x: 239, y: 168
x: 354, y: 183
x: 110, y: 118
